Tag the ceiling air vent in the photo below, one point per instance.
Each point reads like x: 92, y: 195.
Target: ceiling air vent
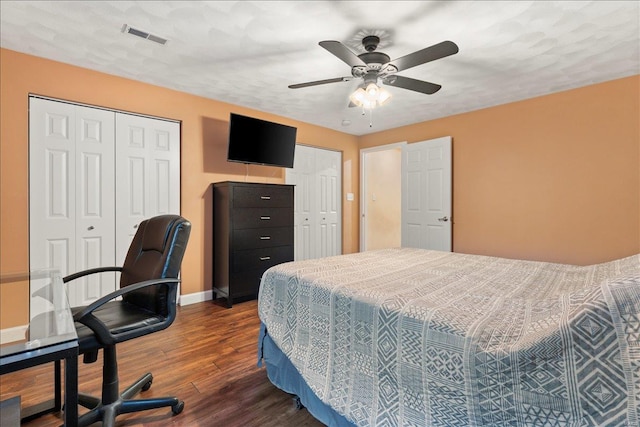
x: 136, y: 32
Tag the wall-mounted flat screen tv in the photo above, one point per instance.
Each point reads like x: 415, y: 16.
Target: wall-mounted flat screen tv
x: 261, y: 142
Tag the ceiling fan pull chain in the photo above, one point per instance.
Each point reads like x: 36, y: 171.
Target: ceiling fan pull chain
x: 370, y: 117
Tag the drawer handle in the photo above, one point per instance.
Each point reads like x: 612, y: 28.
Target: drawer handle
x: 265, y: 197
x: 265, y: 218
x: 265, y: 258
x: 265, y: 237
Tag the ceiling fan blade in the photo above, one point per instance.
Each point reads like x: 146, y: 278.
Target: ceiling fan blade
x: 425, y: 55
x: 342, y: 52
x: 412, y: 84
x: 320, y: 82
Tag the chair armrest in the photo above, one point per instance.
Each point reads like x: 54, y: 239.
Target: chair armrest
x: 83, y: 273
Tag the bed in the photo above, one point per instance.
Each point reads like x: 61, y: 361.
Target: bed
x: 411, y: 337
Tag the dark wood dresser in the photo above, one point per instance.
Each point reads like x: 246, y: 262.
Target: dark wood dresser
x: 252, y: 231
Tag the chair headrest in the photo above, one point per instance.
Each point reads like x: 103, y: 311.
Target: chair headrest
x: 156, y: 232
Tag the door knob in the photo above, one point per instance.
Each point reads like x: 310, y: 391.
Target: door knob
x: 91, y: 227
x: 443, y: 219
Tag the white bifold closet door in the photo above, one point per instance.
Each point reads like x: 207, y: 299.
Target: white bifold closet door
x: 316, y: 175
x: 91, y: 174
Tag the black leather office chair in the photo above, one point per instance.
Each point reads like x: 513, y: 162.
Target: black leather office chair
x: 148, y: 287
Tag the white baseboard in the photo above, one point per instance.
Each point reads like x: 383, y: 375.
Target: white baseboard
x: 16, y: 333
x: 195, y: 298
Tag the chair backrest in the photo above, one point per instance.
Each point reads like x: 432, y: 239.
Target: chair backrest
x: 156, y: 252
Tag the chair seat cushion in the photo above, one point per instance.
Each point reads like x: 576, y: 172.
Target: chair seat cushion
x: 119, y: 317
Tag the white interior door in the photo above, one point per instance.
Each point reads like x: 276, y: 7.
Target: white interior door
x: 147, y: 174
x: 316, y: 174
x: 71, y: 214
x: 426, y: 194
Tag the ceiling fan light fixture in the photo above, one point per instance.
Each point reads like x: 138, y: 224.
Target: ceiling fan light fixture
x: 358, y: 97
x: 372, y: 91
x: 370, y: 97
x: 383, y: 96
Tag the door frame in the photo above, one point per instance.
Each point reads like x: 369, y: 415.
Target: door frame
x: 363, y: 186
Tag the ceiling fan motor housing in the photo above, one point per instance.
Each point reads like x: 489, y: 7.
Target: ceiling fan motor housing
x: 370, y: 43
x: 374, y: 61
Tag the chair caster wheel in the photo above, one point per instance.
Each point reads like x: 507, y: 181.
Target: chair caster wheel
x: 147, y: 386
x: 298, y: 403
x: 177, y: 408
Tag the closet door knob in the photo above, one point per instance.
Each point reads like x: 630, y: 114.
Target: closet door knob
x: 91, y: 227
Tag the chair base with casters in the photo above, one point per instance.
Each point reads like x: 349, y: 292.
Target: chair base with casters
x: 114, y: 403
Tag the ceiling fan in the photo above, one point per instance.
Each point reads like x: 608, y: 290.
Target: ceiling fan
x: 373, y: 66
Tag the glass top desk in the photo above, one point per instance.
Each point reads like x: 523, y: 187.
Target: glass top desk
x: 49, y: 336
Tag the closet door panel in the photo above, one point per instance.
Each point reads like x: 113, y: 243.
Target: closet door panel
x: 328, y: 170
x: 131, y: 180
x: 165, y: 167
x: 52, y: 212
x: 95, y: 204
x: 304, y: 224
x: 147, y: 174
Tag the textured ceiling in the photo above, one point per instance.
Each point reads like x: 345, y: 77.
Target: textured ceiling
x: 247, y: 53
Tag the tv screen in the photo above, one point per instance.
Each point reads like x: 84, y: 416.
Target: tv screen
x: 258, y: 141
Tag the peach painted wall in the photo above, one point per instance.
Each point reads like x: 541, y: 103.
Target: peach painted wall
x: 204, y: 138
x: 553, y: 178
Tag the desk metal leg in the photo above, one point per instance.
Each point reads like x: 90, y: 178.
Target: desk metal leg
x: 57, y: 381
x: 71, y: 390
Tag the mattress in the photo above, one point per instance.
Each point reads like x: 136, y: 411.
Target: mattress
x: 414, y: 337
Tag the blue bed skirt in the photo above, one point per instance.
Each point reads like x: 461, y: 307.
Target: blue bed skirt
x: 286, y: 377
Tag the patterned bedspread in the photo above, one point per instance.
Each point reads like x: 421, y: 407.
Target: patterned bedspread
x: 410, y: 337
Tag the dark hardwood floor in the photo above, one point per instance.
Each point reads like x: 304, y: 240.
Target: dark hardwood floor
x: 208, y: 358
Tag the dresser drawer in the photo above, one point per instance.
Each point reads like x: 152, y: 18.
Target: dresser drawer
x: 262, y: 217
x: 261, y: 259
x: 255, y: 238
x: 263, y: 196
